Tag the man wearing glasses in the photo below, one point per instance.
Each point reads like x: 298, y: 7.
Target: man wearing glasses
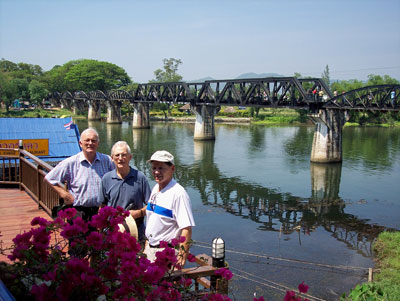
x: 169, y: 211
x: 126, y: 187
x: 77, y: 178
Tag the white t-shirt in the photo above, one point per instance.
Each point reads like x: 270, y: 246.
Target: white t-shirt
x: 168, y: 212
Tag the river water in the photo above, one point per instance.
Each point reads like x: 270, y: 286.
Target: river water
x: 284, y: 220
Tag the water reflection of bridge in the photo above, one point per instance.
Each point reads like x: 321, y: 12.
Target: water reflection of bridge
x: 271, y: 209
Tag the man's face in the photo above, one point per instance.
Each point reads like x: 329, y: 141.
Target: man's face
x: 121, y: 157
x: 89, y: 143
x: 162, y: 173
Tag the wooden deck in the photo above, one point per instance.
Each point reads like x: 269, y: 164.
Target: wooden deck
x: 17, y: 209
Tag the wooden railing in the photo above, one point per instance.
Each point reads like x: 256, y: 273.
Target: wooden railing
x: 28, y: 171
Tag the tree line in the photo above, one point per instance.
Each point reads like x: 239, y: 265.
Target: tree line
x: 28, y: 82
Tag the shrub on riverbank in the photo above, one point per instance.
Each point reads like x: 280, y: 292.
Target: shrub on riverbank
x: 387, y: 248
x: 386, y: 285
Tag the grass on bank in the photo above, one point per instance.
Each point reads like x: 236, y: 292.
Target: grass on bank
x: 387, y: 248
x: 265, y: 116
x: 36, y: 113
x: 386, y: 284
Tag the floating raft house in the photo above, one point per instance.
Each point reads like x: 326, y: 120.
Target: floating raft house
x: 50, y: 139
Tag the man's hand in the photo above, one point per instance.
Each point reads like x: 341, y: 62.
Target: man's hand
x: 68, y: 198
x: 138, y: 213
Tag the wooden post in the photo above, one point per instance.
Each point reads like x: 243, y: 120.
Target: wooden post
x: 370, y: 275
x: 20, y: 147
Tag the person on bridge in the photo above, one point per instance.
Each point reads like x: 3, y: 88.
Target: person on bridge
x: 126, y: 187
x: 82, y: 175
x: 169, y: 210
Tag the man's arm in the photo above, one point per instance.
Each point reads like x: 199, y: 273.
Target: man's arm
x: 63, y: 193
x: 184, y: 247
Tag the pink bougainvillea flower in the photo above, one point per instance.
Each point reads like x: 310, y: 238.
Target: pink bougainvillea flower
x: 215, y: 297
x: 163, y: 244
x: 303, y: 288
x: 191, y: 257
x: 67, y: 213
x: 224, y: 273
x: 39, y: 221
x: 259, y: 299
x: 174, y: 242
x: 291, y: 296
x: 95, y: 240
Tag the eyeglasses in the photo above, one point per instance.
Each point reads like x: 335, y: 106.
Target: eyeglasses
x: 124, y: 155
x: 90, y: 140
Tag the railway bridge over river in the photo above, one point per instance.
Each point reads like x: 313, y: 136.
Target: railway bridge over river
x: 329, y: 112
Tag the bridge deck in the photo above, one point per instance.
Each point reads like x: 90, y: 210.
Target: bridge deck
x: 17, y: 210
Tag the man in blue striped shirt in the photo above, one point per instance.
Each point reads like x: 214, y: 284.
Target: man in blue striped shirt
x: 82, y: 174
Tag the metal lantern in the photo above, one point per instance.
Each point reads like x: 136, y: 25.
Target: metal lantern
x: 218, y: 252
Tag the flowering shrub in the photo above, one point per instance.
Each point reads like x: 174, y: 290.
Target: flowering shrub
x: 291, y: 295
x: 90, y: 261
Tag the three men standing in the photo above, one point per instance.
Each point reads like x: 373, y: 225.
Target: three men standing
x: 92, y: 181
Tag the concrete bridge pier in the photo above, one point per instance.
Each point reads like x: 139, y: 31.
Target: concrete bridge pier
x: 141, y: 116
x: 65, y: 104
x: 114, y: 111
x: 94, y: 111
x: 78, y: 106
x: 204, y: 126
x: 327, y: 142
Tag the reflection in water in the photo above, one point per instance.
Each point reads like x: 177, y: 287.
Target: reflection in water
x: 276, y: 211
x: 325, y: 181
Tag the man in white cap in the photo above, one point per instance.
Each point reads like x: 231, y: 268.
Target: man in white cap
x: 169, y: 211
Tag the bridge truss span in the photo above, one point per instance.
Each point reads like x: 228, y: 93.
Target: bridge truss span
x: 374, y: 98
x: 256, y: 92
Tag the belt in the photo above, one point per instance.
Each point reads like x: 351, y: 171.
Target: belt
x: 157, y: 246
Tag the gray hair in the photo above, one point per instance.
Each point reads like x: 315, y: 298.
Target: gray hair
x: 90, y: 130
x: 121, y: 143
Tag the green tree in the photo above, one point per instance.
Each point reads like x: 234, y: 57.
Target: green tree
x: 8, y: 90
x: 379, y: 80
x: 89, y: 75
x: 326, y: 77
x: 169, y: 74
x: 7, y: 66
x: 22, y: 88
x: 37, y: 92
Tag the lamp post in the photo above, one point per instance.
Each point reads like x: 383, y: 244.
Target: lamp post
x: 218, y: 252
x: 218, y: 261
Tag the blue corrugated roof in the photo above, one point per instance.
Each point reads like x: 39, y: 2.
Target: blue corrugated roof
x: 62, y: 142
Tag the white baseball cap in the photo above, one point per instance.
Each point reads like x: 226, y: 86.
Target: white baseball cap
x: 162, y: 156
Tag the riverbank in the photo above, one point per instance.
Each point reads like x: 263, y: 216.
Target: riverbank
x: 386, y: 282
x: 265, y: 117
x: 387, y: 248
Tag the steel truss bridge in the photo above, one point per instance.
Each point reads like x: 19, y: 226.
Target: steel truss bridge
x: 274, y: 92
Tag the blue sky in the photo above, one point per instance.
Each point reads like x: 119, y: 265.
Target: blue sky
x: 221, y: 39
